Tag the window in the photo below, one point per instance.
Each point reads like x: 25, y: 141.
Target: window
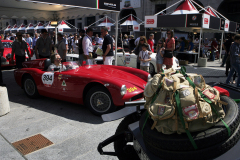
x: 79, y: 25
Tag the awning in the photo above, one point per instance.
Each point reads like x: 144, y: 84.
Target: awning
x: 56, y: 9
x: 130, y: 21
x: 106, y: 22
x: 186, y: 8
x: 64, y: 27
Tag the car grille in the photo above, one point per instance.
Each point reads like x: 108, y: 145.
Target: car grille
x: 139, y: 96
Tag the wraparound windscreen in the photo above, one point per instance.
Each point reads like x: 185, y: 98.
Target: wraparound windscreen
x: 98, y: 4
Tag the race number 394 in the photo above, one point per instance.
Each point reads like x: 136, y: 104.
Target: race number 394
x: 48, y: 78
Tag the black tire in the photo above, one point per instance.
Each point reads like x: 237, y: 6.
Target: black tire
x: 99, y: 101
x: 30, y: 87
x: 151, y: 69
x: 121, y: 147
x: 203, y: 139
x: 202, y: 154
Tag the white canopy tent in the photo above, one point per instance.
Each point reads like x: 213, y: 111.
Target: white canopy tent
x: 30, y: 28
x: 14, y: 29
x: 8, y: 29
x: 54, y: 10
x: 130, y: 21
x: 21, y: 28
x: 39, y: 27
x: 106, y: 22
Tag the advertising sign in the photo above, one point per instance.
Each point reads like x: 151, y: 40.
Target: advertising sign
x: 150, y: 21
x: 125, y: 4
x: 206, y: 21
x: 136, y: 28
x: 98, y: 4
x: 227, y: 23
x: 194, y: 20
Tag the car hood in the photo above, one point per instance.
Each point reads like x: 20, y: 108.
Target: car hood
x: 105, y: 72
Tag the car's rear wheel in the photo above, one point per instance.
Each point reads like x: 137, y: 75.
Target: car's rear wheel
x: 30, y: 87
x: 99, y: 101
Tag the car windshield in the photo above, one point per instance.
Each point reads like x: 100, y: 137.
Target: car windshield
x: 7, y: 44
x: 71, y: 65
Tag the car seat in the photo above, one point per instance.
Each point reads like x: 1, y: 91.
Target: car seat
x: 47, y: 63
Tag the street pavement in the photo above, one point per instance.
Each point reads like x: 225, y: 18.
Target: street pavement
x: 74, y: 131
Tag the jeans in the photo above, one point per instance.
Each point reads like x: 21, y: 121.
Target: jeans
x: 234, y: 67
x: 213, y: 54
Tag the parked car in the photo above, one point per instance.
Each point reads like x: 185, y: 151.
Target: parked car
x: 101, y: 88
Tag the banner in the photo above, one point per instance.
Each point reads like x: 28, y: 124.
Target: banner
x: 194, y: 20
x: 227, y: 23
x: 206, y: 21
x: 98, y: 4
x: 136, y: 28
x: 150, y: 21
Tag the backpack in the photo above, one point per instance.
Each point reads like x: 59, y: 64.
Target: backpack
x: 181, y: 103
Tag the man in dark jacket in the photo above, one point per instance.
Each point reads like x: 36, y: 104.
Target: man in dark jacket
x: 81, y: 57
x: 235, y: 59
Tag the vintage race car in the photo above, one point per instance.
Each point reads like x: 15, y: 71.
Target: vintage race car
x: 7, y: 53
x: 101, y: 88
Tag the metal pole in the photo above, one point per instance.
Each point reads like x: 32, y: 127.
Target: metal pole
x: 221, y: 47
x: 200, y: 39
x: 116, y: 38
x: 55, y: 34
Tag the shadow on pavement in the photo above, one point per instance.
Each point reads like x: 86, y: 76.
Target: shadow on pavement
x: 60, y: 108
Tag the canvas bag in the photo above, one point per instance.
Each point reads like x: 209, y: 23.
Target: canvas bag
x: 197, y: 113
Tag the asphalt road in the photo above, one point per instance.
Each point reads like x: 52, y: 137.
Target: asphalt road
x: 74, y: 131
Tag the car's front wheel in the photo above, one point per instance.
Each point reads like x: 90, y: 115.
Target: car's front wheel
x: 30, y: 87
x: 99, y: 101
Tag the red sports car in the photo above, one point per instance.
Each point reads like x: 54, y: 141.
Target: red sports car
x: 6, y: 58
x: 101, y: 88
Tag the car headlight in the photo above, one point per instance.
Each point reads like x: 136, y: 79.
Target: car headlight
x: 149, y: 76
x: 123, y: 90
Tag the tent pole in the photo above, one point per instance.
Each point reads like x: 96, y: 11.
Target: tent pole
x: 116, y: 38
x: 221, y: 47
x: 55, y: 34
x: 200, y: 40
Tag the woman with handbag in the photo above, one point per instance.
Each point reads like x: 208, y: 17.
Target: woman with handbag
x: 169, y: 48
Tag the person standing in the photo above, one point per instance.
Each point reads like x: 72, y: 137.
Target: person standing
x: 75, y: 45
x: 61, y: 46
x: 159, y: 56
x: 169, y: 48
x: 35, y: 41
x: 144, y: 58
x: 138, y: 48
x: 88, y: 47
x: 100, y: 42
x: 151, y: 41
x: 1, y: 54
x: 80, y: 47
x: 43, y: 45
x: 96, y: 39
x: 214, y: 48
x: 226, y: 47
x: 190, y: 45
x: 182, y: 44
x: 18, y: 48
x: 107, y: 47
x: 235, y: 59
x: 29, y: 41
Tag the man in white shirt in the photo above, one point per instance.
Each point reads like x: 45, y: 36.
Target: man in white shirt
x: 43, y: 45
x: 87, y: 46
x: 100, y: 42
x: 29, y: 41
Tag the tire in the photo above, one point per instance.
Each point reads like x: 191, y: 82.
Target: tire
x: 99, y: 101
x: 151, y: 69
x: 125, y: 151
x: 30, y: 87
x: 202, y: 154
x: 203, y: 139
